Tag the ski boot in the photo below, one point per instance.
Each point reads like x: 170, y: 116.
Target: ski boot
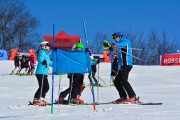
x: 74, y: 101
x: 35, y: 102
x: 80, y: 101
x: 97, y: 84
x: 18, y: 73
x: 120, y: 100
x: 60, y: 101
x: 12, y: 73
x: 130, y: 100
x: 43, y: 102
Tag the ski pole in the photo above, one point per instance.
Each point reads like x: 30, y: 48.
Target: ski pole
x: 59, y: 88
x: 72, y: 76
x: 42, y: 85
x: 98, y: 86
x: 102, y: 80
x: 143, y: 49
x: 130, y: 55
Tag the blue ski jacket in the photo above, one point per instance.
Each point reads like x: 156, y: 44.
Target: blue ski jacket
x: 124, y: 52
x: 41, y: 56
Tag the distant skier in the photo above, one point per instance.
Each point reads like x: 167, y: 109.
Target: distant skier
x: 24, y: 65
x: 32, y: 65
x: 16, y: 64
x: 123, y: 48
x: 42, y: 73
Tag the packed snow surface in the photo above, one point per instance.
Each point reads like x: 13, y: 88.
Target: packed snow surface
x: 151, y: 83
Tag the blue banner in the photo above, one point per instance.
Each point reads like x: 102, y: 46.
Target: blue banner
x: 3, y: 55
x: 71, y: 61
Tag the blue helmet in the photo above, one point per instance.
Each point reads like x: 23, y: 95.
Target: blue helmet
x: 117, y: 34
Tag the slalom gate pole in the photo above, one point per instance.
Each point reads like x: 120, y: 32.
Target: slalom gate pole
x: 52, y: 95
x: 84, y: 25
x: 94, y: 103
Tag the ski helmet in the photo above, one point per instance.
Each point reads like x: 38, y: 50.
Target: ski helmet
x: 79, y: 45
x: 117, y: 34
x: 44, y: 44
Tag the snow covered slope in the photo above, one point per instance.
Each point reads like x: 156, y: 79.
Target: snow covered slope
x: 151, y: 83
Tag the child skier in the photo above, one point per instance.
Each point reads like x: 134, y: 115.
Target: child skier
x: 94, y: 62
x: 32, y: 65
x: 76, y: 82
x: 24, y: 65
x: 42, y: 73
x: 16, y: 64
x: 115, y: 66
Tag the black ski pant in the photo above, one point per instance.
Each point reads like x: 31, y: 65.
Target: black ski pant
x: 43, y: 86
x: 121, y: 82
x: 77, y: 81
x: 114, y: 71
x: 67, y: 91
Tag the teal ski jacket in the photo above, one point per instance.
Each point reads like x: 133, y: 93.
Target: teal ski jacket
x: 41, y: 56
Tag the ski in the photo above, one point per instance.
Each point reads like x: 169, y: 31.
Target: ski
x: 38, y: 104
x: 137, y: 103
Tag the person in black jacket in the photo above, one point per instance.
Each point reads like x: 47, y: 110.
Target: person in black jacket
x: 16, y: 64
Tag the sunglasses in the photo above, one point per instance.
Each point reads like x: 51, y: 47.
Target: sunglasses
x: 115, y: 37
x: 47, y: 44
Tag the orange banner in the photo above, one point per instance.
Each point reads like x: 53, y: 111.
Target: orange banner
x: 170, y: 60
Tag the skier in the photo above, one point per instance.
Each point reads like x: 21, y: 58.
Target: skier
x: 42, y: 73
x: 24, y: 64
x: 32, y: 65
x: 115, y: 65
x: 16, y: 64
x: 76, y: 82
x: 27, y: 66
x: 122, y: 47
x: 94, y: 62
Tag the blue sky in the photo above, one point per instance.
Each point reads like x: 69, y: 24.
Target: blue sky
x: 107, y: 16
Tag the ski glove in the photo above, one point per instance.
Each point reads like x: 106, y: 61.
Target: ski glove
x: 44, y: 62
x: 113, y: 46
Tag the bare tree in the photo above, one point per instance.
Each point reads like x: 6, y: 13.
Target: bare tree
x: 96, y: 44
x: 16, y: 25
x: 158, y: 45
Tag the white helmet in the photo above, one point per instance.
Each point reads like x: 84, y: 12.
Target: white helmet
x: 44, y: 44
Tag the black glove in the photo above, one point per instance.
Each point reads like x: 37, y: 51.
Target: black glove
x: 105, y: 44
x: 44, y: 62
x: 110, y: 48
x: 98, y: 61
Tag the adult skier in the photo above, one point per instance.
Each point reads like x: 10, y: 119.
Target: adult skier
x: 122, y: 46
x: 42, y: 73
